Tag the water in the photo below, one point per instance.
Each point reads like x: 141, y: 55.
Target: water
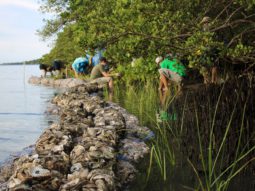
x: 22, y: 108
x: 189, y: 108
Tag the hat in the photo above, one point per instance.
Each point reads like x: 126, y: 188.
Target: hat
x: 205, y: 20
x: 159, y: 59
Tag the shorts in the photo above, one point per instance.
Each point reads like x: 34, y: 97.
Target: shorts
x: 102, y: 80
x: 173, y: 76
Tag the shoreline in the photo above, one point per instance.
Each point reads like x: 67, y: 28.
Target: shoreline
x: 95, y: 146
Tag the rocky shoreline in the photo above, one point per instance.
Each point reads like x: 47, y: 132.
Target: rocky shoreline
x: 95, y: 146
x: 58, y: 83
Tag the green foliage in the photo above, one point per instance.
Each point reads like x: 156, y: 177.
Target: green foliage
x: 202, y: 49
x: 240, y: 50
x: 66, y: 47
x: 140, y: 70
x: 142, y: 28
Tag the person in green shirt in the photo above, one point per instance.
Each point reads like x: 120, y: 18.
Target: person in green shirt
x: 170, y: 69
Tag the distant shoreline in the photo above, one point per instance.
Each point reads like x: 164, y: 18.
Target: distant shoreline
x: 14, y: 64
x: 30, y: 62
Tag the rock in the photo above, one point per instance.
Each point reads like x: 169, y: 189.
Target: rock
x: 134, y: 149
x: 45, y: 81
x: 126, y: 172
x: 39, y: 172
x: 52, y: 140
x: 75, y: 82
x: 80, y: 152
x: 34, y: 80
x: 63, y: 83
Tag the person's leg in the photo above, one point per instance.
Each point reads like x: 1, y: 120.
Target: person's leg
x: 163, y: 84
x: 205, y: 73
x: 177, y: 79
x: 164, y: 81
x: 76, y: 74
x: 110, y: 88
x: 181, y: 84
x: 75, y: 69
x: 110, y: 84
x: 162, y: 97
x: 179, y: 87
x: 66, y: 72
x: 214, y: 74
x: 104, y: 80
x: 160, y: 84
x: 160, y: 80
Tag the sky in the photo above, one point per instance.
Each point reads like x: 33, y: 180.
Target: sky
x: 19, y: 20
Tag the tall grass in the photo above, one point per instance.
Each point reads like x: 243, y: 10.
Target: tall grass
x: 215, y: 177
x: 207, y: 120
x: 143, y: 101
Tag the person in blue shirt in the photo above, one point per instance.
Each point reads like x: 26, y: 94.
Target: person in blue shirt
x: 95, y: 58
x: 80, y: 66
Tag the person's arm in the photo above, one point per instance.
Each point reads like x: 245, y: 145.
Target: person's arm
x: 90, y: 60
x: 106, y: 74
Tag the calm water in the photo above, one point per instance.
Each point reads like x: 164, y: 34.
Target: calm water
x: 147, y: 103
x: 22, y: 108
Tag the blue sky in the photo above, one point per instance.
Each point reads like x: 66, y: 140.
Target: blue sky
x: 19, y: 20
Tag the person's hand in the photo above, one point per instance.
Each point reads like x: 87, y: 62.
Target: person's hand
x: 118, y: 74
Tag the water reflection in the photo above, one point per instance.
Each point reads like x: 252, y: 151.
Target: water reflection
x: 194, y: 121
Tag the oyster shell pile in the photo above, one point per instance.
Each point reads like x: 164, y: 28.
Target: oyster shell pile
x: 132, y: 146
x: 62, y: 83
x: 83, y: 151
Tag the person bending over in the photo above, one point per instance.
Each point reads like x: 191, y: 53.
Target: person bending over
x: 170, y: 70
x: 80, y: 66
x: 44, y: 69
x: 58, y: 65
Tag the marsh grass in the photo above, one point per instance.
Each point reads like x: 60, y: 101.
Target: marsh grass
x: 141, y: 100
x: 212, y: 131
x: 217, y: 175
x: 145, y: 104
